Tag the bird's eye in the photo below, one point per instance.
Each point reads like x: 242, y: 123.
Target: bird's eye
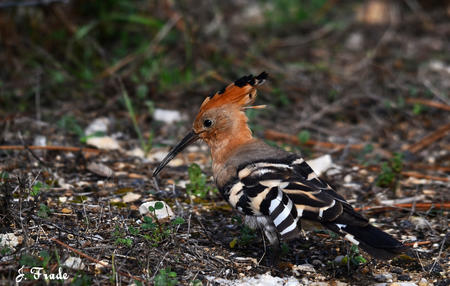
x: 207, y: 123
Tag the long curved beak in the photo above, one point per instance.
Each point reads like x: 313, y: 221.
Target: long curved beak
x: 190, y: 138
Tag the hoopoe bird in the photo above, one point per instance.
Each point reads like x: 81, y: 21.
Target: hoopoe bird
x: 273, y: 188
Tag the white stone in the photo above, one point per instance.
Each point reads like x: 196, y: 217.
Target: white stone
x: 98, y: 125
x: 384, y: 277
x: 100, y: 169
x: 131, y: 197
x: 105, y: 143
x: 419, y: 222
x: 101, y: 265
x: 74, y: 263
x: 304, y: 268
x: 9, y: 240
x: 260, y: 280
x: 348, y: 178
x: 165, y: 212
x: 40, y: 140
x: 157, y: 155
x: 136, y: 152
x: 338, y: 259
x: 355, y: 41
x: 321, y: 164
x: 166, y: 115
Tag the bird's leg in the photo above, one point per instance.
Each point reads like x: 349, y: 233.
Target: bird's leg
x: 275, y: 249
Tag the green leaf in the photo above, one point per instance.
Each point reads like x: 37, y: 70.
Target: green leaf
x: 159, y: 205
x: 178, y: 220
x: 84, y: 138
x: 304, y: 136
x: 84, y: 30
x: 417, y: 109
x: 36, y: 189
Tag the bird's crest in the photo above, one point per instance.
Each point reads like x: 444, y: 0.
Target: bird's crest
x: 240, y: 93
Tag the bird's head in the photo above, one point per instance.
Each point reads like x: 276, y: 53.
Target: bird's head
x: 220, y: 116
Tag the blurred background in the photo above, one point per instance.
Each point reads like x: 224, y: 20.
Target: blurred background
x: 69, y: 62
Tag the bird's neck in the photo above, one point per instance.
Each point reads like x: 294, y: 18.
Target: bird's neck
x: 224, y: 143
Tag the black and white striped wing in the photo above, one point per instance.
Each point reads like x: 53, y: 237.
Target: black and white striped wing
x: 287, y: 190
x: 258, y: 191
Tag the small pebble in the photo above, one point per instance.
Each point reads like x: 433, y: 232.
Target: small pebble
x: 385, y: 277
x: 423, y: 282
x: 106, y: 143
x: 397, y: 270
x: 131, y: 197
x: 74, y: 263
x: 100, y: 169
x: 404, y: 277
x: 348, y: 178
x: 338, y: 259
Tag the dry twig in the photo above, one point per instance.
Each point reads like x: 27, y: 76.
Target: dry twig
x: 429, y: 139
x: 430, y: 103
x: 51, y: 148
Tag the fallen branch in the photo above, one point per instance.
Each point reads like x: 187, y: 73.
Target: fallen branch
x: 428, y: 167
x: 95, y: 260
x: 424, y: 176
x: 51, y: 148
x: 427, y: 140
x: 430, y: 103
x: 417, y: 243
x: 277, y: 136
x: 417, y: 206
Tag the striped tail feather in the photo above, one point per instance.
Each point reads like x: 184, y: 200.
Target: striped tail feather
x: 282, y: 212
x: 373, y: 240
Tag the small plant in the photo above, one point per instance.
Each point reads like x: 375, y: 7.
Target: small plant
x: 417, y: 109
x: 363, y: 156
x: 71, y: 125
x: 145, y: 145
x: 3, y: 175
x: 37, y: 187
x: 390, y: 171
x: 197, y: 185
x: 354, y: 258
x: 121, y: 238
x: 155, y: 231
x: 44, y: 211
x: 304, y: 136
x: 81, y: 279
x: 166, y: 277
x: 247, y: 235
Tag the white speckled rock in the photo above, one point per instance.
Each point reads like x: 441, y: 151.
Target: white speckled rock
x: 9, y: 240
x: 259, y: 280
x: 74, y: 263
x: 105, y: 143
x: 165, y: 212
